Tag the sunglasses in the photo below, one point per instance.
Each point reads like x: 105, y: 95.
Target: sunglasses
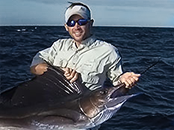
x: 80, y: 22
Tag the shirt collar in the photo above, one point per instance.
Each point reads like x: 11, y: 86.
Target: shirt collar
x: 86, y: 43
x: 89, y: 41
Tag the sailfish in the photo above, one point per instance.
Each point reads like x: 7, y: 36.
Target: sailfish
x: 50, y: 101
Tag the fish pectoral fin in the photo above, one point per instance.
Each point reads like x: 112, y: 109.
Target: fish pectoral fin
x: 55, y: 120
x: 64, y: 114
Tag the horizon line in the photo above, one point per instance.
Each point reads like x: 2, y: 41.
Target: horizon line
x: 146, y: 26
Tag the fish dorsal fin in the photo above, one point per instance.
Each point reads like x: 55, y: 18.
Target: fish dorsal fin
x: 75, y: 87
x: 56, y: 77
x: 49, y: 88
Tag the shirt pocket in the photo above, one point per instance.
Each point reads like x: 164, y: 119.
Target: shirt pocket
x: 62, y: 58
x: 89, y: 72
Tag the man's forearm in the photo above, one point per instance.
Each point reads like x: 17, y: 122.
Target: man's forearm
x: 39, y: 69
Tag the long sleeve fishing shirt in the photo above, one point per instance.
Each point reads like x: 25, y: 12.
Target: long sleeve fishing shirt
x: 95, y: 60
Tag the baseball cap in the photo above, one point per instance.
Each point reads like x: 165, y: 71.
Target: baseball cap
x: 79, y: 10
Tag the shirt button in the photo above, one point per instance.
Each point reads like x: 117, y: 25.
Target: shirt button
x: 75, y: 59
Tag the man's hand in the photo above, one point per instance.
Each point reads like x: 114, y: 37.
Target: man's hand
x: 70, y: 74
x: 129, y: 78
x: 39, y: 69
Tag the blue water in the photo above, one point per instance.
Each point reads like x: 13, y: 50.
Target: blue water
x: 139, y: 47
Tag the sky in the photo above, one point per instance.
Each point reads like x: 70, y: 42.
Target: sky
x: 143, y: 13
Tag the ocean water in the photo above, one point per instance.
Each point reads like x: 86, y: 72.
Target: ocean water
x: 139, y: 47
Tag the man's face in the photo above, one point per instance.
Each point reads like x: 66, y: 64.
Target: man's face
x: 79, y: 33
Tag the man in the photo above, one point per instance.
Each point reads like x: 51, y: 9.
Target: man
x: 82, y: 54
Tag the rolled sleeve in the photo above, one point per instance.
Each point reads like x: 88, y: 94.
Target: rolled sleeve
x: 115, y: 69
x: 36, y: 60
x: 40, y: 57
x: 47, y: 54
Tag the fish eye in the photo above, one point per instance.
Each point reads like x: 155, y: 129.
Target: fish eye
x: 103, y: 92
